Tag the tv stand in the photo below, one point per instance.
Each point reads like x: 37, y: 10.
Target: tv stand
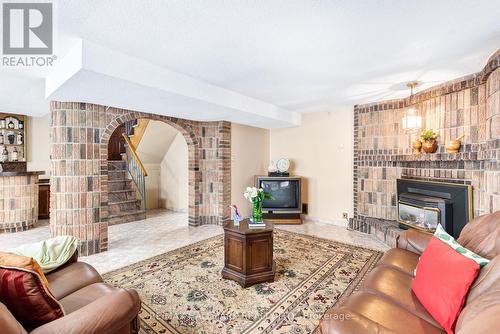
x: 283, y: 218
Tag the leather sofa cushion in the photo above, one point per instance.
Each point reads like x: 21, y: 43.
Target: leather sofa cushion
x: 344, y: 320
x: 85, y: 296
x: 395, y: 285
x: 487, y: 280
x: 389, y: 314
x: 482, y: 235
x: 482, y: 301
x: 400, y: 259
x: 71, y: 278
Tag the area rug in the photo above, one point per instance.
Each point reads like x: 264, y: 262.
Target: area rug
x: 182, y: 291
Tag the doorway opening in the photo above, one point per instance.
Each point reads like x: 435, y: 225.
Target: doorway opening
x: 148, y: 171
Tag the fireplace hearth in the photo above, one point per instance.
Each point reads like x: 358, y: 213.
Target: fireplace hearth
x: 423, y: 205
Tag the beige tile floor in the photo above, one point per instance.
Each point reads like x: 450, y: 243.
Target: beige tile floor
x: 163, y: 231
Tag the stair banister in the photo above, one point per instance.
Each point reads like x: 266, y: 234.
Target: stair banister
x: 136, y: 169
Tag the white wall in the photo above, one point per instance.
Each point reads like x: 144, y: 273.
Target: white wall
x: 321, y: 151
x: 38, y: 144
x: 174, y: 175
x: 153, y: 186
x: 155, y: 142
x: 249, y: 157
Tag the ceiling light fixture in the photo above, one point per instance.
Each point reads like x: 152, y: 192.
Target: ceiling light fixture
x: 411, y: 120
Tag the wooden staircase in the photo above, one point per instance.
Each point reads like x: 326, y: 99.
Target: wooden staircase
x: 126, y: 178
x: 137, y: 131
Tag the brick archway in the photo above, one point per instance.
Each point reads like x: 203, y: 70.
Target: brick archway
x: 187, y: 131
x: 79, y: 169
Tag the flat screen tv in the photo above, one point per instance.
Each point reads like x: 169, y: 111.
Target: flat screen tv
x: 285, y: 192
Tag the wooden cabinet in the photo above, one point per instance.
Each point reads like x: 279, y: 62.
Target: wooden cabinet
x: 43, y: 201
x: 12, y: 138
x: 248, y: 253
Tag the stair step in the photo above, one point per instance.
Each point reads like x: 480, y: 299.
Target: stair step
x: 114, y: 185
x: 126, y: 217
x: 120, y: 191
x: 125, y: 201
x: 126, y: 213
x: 117, y: 175
x: 121, y: 195
x: 117, y: 165
x: 124, y: 206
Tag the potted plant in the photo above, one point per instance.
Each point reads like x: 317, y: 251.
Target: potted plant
x: 429, y: 143
x: 256, y: 197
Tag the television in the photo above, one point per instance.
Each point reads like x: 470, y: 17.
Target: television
x: 285, y: 192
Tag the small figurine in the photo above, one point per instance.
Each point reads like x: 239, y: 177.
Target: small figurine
x: 236, y: 216
x: 272, y: 167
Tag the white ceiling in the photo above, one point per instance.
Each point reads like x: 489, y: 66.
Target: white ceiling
x: 260, y: 62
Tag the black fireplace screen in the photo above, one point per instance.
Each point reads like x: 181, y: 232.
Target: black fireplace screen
x: 421, y: 217
x: 423, y: 205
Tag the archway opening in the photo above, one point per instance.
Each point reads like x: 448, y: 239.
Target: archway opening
x: 148, y: 172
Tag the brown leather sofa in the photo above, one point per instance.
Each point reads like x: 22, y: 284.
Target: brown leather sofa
x: 386, y: 303
x: 91, y: 306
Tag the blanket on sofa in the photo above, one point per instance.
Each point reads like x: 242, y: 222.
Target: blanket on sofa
x: 51, y: 253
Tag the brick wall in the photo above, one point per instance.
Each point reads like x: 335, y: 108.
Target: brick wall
x: 18, y: 202
x: 79, y: 171
x: 467, y: 106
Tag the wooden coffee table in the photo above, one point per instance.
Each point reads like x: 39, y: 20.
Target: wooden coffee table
x: 248, y: 253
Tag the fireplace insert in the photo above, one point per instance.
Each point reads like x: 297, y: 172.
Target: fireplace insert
x: 423, y: 205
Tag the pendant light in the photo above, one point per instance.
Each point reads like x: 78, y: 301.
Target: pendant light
x: 411, y: 120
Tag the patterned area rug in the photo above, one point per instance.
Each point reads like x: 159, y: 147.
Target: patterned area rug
x: 182, y: 291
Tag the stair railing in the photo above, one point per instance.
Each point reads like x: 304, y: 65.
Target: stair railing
x: 136, y: 169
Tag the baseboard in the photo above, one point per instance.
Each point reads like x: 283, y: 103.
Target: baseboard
x: 176, y: 210
x: 340, y: 222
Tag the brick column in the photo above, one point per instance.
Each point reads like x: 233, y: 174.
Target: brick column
x: 79, y: 180
x: 492, y: 167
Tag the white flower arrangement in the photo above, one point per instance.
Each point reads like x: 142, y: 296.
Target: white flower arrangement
x: 252, y: 194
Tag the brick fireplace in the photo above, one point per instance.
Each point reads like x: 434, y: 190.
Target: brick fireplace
x: 467, y: 106
x: 79, y: 169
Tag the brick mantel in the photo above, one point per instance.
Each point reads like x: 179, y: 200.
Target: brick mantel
x: 79, y: 169
x: 467, y: 106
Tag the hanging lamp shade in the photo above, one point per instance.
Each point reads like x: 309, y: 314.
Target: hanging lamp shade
x: 411, y: 120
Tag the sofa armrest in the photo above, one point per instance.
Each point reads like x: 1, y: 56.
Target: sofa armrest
x: 105, y: 315
x: 413, y: 241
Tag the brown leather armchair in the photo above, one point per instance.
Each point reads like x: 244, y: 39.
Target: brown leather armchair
x: 91, y: 306
x: 386, y: 303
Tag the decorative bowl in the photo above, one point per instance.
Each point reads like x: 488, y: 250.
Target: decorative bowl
x: 430, y: 146
x: 453, y: 146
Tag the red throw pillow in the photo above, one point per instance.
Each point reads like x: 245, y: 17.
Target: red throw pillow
x: 25, y: 292
x: 443, y: 279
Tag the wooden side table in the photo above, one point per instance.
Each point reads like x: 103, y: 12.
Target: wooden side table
x: 248, y: 253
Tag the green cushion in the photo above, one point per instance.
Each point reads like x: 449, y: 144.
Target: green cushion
x: 450, y: 241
